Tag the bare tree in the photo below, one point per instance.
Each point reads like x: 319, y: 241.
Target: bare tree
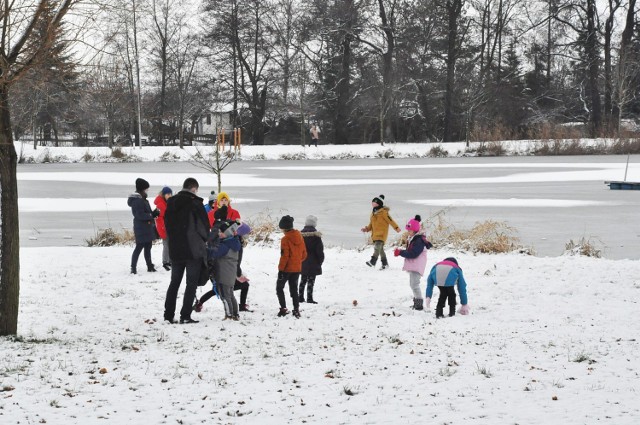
x: 17, y: 56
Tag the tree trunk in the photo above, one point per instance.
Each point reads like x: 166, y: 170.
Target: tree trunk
x: 454, y: 8
x: 9, y: 227
x: 342, y: 94
x: 591, y: 48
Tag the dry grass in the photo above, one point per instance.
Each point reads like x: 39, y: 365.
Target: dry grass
x: 584, y: 246
x: 488, y: 237
x: 437, y: 152
x: 264, y: 228
x: 109, y: 237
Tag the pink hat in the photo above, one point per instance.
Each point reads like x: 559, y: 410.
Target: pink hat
x: 414, y: 224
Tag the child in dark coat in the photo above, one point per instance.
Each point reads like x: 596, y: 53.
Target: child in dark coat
x: 144, y: 226
x: 292, y: 254
x: 446, y: 275
x: 312, y: 265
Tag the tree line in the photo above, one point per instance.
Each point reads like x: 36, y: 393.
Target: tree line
x: 365, y: 70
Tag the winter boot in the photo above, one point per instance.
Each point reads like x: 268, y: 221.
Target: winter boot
x: 439, y: 313
x: 133, y: 270
x: 283, y: 312
x: 245, y: 307
x: 452, y: 310
x: 167, y: 266
x: 296, y: 314
x: 372, y: 262
x: 417, y: 304
x: 384, y: 265
x: 151, y: 268
x: 310, y: 299
x: 197, y: 307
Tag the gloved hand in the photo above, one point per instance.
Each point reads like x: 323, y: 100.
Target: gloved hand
x: 427, y: 303
x: 396, y: 252
x: 464, y: 310
x: 364, y: 229
x: 238, y: 221
x: 155, y: 213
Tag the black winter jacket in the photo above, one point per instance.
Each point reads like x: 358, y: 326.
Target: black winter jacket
x: 312, y: 265
x: 187, y: 227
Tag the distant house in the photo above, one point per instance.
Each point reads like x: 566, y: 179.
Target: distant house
x: 220, y: 115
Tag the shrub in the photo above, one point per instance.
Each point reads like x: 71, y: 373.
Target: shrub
x: 437, y: 152
x: 117, y: 153
x: 169, y: 157
x: 109, y: 237
x: 87, y: 157
x: 388, y: 153
x: 264, y: 228
x: 293, y: 156
x: 585, y: 247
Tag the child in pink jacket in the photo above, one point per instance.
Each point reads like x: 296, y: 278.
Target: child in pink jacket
x: 415, y: 259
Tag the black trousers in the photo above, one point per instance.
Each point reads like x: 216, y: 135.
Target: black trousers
x: 292, y: 280
x: 192, y: 268
x: 446, y: 293
x: 307, y: 280
x: 243, y: 287
x: 136, y: 254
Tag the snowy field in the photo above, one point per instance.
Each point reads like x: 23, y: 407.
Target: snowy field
x: 548, y: 341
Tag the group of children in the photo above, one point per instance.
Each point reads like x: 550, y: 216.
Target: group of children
x: 301, y: 254
x: 446, y: 275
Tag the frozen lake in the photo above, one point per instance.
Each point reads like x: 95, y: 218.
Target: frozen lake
x: 549, y: 200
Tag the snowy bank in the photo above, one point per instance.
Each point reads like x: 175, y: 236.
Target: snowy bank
x: 549, y: 340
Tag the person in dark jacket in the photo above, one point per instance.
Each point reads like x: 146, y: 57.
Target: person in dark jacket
x: 144, y: 227
x: 312, y: 265
x: 187, y: 227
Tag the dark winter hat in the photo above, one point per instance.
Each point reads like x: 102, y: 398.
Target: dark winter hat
x: 167, y: 191
x: 221, y: 213
x: 311, y: 220
x: 286, y: 222
x: 141, y: 184
x: 453, y: 260
x: 378, y: 200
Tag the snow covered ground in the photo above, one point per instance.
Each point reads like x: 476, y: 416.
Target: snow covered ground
x: 548, y: 341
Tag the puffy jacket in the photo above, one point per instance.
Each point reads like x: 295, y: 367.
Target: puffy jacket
x: 161, y: 203
x: 187, y: 227
x: 225, y: 254
x: 312, y: 265
x: 292, y: 252
x: 143, y: 222
x: 232, y: 215
x: 415, y: 256
x: 447, y: 273
x: 379, y: 223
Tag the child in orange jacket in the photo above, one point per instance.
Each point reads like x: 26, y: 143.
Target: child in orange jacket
x: 292, y: 254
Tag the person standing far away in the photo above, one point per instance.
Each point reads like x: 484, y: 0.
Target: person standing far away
x: 143, y: 224
x: 187, y: 228
x: 315, y: 135
x: 211, y: 202
x: 161, y: 205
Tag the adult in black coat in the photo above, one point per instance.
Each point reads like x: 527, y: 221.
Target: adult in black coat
x: 144, y: 225
x: 312, y: 265
x: 187, y: 229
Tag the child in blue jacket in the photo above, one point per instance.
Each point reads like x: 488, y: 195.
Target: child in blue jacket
x: 446, y: 275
